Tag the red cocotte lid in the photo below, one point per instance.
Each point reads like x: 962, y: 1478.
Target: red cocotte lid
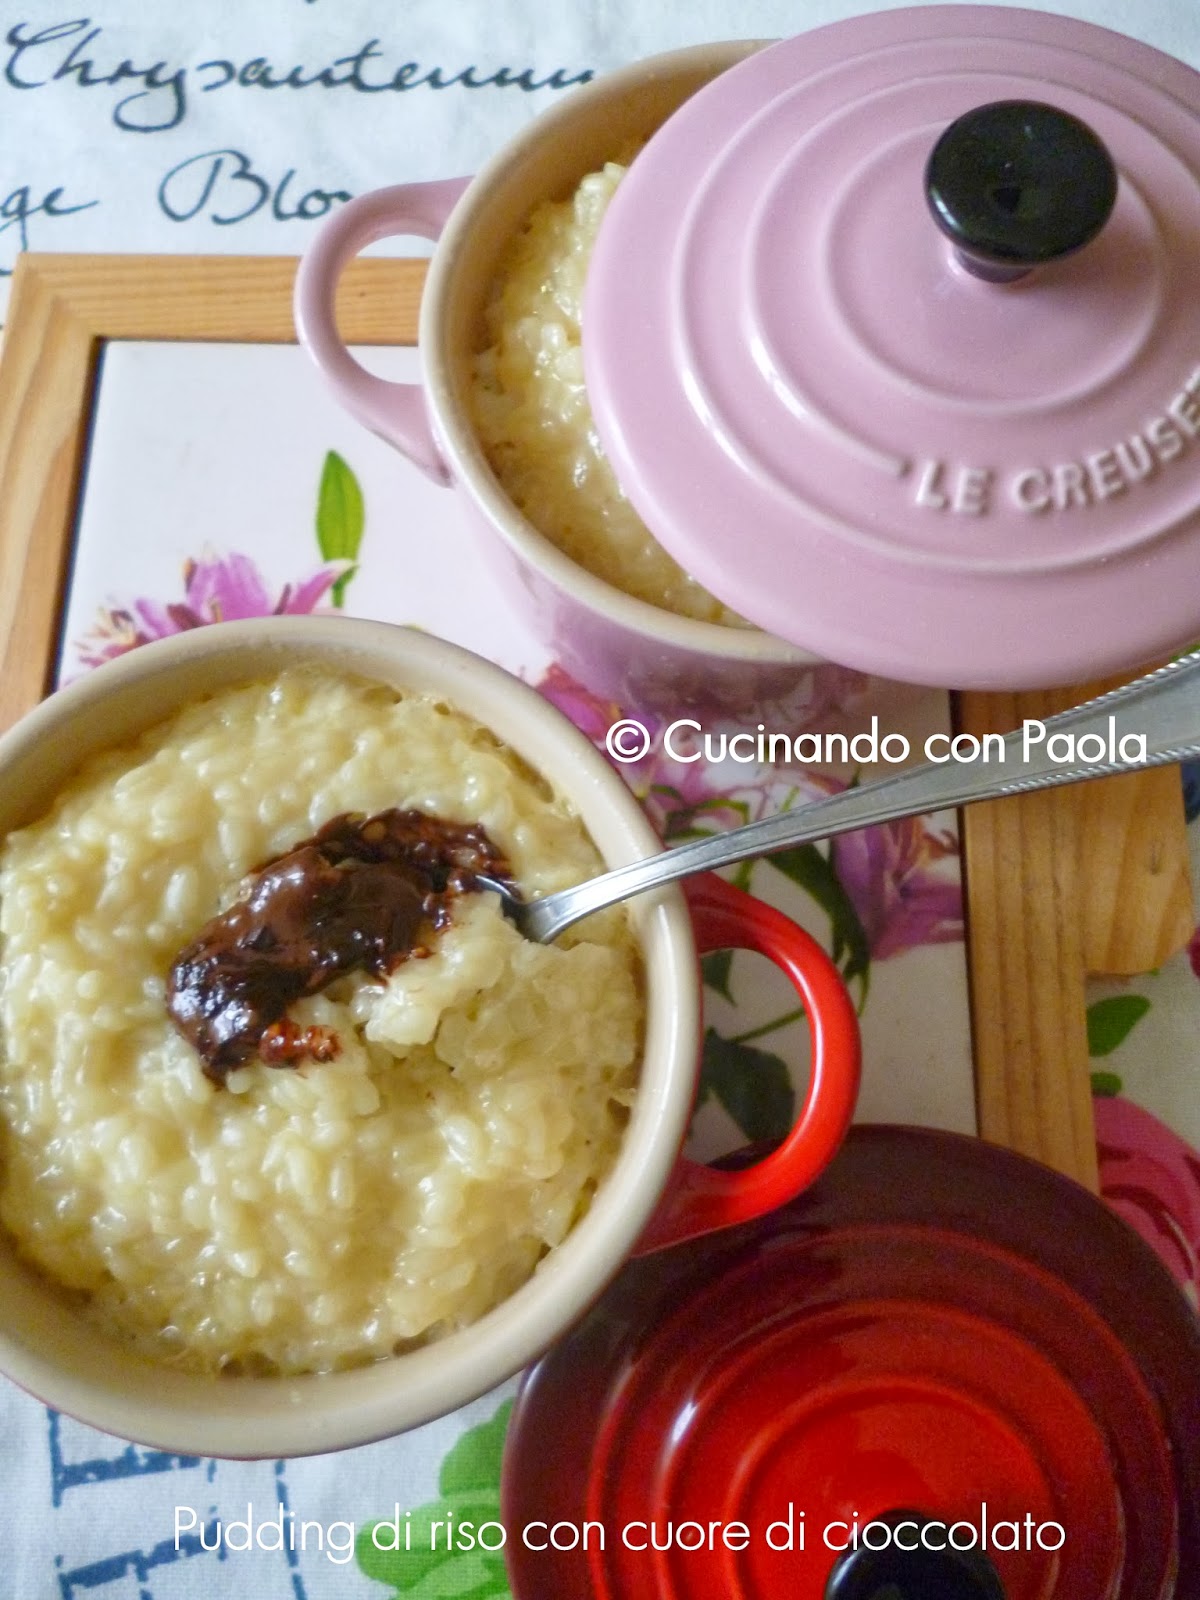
x: 944, y: 1373
x: 910, y: 384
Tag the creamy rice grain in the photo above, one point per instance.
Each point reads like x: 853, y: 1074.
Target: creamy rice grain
x: 299, y: 1220
x: 533, y: 417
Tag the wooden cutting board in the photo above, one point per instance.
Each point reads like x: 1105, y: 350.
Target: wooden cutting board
x: 1090, y: 879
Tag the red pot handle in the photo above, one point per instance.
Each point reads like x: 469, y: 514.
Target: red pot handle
x: 700, y: 1199
x: 395, y: 411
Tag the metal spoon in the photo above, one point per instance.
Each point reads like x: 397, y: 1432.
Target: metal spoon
x: 1164, y: 706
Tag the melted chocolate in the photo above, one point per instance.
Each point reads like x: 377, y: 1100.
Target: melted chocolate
x: 364, y: 893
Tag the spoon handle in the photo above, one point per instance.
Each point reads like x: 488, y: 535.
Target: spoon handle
x: 1163, y: 708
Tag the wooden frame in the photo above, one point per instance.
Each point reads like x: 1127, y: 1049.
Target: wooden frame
x: 63, y: 309
x: 1041, y: 913
x: 1094, y: 879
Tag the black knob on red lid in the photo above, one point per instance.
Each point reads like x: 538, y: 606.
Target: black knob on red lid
x: 916, y: 1561
x: 1017, y: 184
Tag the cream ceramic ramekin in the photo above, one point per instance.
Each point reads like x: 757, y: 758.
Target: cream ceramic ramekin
x: 48, y: 1347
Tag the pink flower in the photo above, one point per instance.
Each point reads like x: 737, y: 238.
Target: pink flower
x: 902, y: 880
x: 589, y: 713
x: 681, y: 798
x: 215, y: 589
x: 1151, y: 1178
x: 822, y: 696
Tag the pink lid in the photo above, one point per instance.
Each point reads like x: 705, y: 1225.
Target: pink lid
x: 858, y: 443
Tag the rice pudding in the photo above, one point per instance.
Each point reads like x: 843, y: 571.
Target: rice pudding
x: 315, y: 1214
x: 533, y: 418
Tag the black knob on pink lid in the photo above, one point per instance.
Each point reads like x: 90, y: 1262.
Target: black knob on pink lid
x: 1016, y: 184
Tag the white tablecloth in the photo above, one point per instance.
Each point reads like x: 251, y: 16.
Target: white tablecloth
x: 233, y: 128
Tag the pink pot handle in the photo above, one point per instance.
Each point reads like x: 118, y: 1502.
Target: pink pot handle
x: 395, y: 411
x: 700, y: 1199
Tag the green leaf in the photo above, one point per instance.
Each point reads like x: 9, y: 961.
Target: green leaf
x: 470, y: 1492
x: 742, y: 875
x: 341, y: 517
x: 1106, y: 1084
x: 474, y: 1462
x: 1110, y: 1021
x: 715, y: 969
x: 805, y: 865
x: 681, y: 825
x: 427, y: 1566
x: 754, y: 1086
x: 720, y: 802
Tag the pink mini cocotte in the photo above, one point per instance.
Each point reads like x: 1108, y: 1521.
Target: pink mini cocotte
x: 837, y: 418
